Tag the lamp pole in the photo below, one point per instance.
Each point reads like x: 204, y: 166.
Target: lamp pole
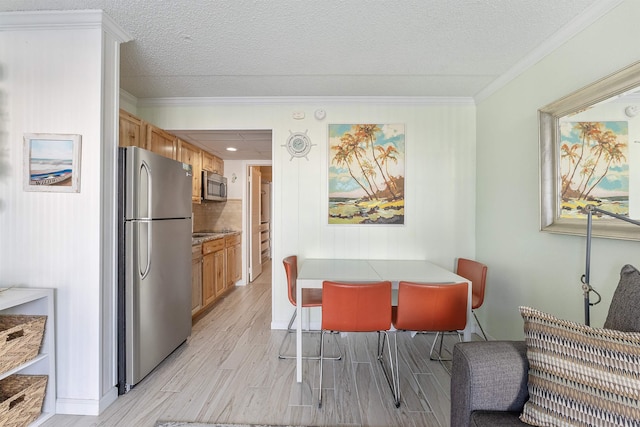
x: 586, y: 286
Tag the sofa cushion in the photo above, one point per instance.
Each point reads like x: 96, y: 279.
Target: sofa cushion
x: 580, y: 375
x: 623, y: 311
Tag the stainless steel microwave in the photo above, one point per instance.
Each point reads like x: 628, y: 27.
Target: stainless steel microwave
x: 214, y: 187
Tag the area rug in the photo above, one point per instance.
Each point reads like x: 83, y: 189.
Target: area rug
x: 181, y: 424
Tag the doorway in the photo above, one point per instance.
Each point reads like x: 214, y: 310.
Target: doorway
x: 259, y: 191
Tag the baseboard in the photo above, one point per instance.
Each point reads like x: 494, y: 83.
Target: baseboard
x: 86, y: 406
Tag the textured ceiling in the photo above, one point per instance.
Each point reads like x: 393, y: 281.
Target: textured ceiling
x: 234, y: 48
x: 289, y: 48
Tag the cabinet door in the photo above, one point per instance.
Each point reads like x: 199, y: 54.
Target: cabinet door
x: 131, y: 131
x: 231, y: 265
x: 161, y: 142
x: 218, y: 166
x: 219, y: 272
x: 237, y: 270
x: 208, y: 279
x: 196, y: 279
x: 207, y: 161
x: 192, y: 155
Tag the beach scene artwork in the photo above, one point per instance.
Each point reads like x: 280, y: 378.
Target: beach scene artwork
x: 52, y: 162
x: 366, y: 174
x: 594, y: 167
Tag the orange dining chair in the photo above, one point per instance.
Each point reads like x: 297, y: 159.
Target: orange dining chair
x: 431, y: 307
x: 310, y: 298
x: 476, y: 272
x: 360, y: 307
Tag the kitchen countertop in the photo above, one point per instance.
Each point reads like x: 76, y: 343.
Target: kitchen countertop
x: 205, y: 236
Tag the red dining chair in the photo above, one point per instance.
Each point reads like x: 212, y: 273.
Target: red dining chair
x: 310, y: 298
x: 431, y: 307
x: 357, y: 307
x: 476, y: 272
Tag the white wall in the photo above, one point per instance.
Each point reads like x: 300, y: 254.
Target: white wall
x: 440, y: 178
x: 526, y: 266
x: 59, y: 77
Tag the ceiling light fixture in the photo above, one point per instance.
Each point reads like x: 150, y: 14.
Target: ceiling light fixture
x: 232, y: 149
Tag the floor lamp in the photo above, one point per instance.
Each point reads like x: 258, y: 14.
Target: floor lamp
x: 586, y: 287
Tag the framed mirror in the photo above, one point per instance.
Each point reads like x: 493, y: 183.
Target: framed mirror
x: 590, y: 155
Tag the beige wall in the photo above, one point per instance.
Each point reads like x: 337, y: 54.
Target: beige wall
x: 526, y: 266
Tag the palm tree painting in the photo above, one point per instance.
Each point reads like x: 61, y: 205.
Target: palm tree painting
x: 593, y: 167
x: 366, y: 173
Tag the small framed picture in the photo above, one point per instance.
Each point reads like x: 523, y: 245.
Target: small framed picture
x: 52, y: 162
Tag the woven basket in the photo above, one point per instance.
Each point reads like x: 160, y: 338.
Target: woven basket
x: 20, y: 339
x: 21, y: 398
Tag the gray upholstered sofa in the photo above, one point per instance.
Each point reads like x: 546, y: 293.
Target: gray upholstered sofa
x: 488, y: 383
x: 489, y: 378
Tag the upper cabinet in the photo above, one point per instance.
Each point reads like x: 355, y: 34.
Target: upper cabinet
x: 212, y: 163
x: 132, y: 131
x: 136, y: 132
x: 161, y: 142
x: 192, y: 155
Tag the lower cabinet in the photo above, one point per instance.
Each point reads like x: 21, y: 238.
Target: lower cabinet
x: 212, y: 270
x: 196, y: 279
x: 234, y: 259
x: 216, y: 266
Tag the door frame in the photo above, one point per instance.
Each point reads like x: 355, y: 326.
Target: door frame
x: 246, y: 214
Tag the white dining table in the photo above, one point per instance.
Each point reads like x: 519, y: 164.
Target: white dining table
x: 313, y: 271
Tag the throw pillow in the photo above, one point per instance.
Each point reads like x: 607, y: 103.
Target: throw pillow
x: 578, y: 375
x: 623, y: 311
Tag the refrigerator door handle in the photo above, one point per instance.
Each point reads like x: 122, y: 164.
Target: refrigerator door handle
x: 148, y: 250
x: 144, y: 167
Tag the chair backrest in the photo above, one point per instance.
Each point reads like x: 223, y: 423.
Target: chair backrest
x: 434, y: 307
x: 477, y: 273
x: 356, y: 307
x: 291, y: 270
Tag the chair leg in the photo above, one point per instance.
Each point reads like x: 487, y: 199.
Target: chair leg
x: 321, y: 359
x: 394, y: 381
x: 439, y: 358
x: 290, y: 331
x: 478, y: 322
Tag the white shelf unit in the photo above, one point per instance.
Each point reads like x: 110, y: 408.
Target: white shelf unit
x: 33, y: 301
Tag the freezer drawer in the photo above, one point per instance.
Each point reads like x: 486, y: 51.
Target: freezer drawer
x: 157, y: 292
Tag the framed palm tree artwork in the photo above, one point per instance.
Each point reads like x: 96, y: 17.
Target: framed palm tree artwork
x: 594, y: 168
x: 366, y: 174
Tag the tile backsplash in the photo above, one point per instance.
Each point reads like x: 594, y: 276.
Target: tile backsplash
x: 216, y: 216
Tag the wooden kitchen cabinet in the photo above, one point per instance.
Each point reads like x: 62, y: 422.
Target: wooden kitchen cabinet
x: 234, y: 259
x: 192, y: 155
x: 212, y: 163
x: 131, y: 131
x: 219, y: 269
x: 212, y: 270
x: 196, y: 279
x: 218, y: 166
x: 161, y: 142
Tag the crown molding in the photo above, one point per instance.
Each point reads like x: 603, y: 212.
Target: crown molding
x: 280, y: 100
x: 63, y: 20
x: 582, y: 21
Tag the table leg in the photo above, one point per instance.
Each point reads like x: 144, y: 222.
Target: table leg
x: 299, y: 333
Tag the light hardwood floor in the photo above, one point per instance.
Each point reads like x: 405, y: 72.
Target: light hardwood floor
x: 229, y: 371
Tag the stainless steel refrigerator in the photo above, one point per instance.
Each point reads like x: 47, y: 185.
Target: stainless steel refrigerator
x: 154, y: 261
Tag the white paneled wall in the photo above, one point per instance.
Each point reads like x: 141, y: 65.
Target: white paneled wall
x: 440, y: 177
x: 52, y: 81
